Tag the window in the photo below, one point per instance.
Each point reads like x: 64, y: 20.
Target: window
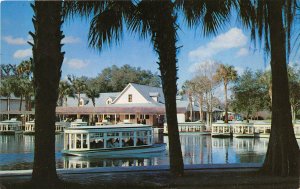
x: 132, y: 116
x: 130, y: 98
x: 147, y: 116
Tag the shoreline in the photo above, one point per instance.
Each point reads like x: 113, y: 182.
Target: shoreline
x: 196, y: 176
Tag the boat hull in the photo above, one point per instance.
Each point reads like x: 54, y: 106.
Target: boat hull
x: 243, y: 135
x: 117, y: 152
x: 28, y: 132
x: 221, y: 135
x: 11, y: 132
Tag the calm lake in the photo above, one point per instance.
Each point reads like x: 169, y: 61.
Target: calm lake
x: 16, y: 152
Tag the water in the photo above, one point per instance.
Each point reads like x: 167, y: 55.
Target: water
x: 16, y: 152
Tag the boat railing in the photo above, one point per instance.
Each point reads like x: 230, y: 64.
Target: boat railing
x: 106, y: 140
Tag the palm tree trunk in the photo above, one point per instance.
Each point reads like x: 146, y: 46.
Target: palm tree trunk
x: 164, y: 31
x: 226, y: 105
x: 47, y: 59
x: 283, y: 151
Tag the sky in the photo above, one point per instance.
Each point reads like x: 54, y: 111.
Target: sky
x: 231, y: 45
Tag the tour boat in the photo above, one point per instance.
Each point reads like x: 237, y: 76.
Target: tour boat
x: 110, y: 140
x: 59, y: 127
x: 221, y: 130
x: 29, y: 128
x: 11, y: 126
x: 189, y: 127
x: 243, y: 130
x: 262, y: 130
x: 78, y: 122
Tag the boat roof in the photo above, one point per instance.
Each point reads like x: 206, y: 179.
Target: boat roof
x: 12, y: 121
x: 117, y: 126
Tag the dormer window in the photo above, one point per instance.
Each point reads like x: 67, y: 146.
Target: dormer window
x: 130, y: 98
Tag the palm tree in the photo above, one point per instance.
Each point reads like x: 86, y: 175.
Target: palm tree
x: 65, y: 90
x: 272, y: 20
x: 6, y: 90
x: 78, y: 86
x: 226, y: 74
x: 47, y: 62
x: 92, y: 93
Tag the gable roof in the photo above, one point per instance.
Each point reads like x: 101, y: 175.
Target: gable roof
x: 146, y: 91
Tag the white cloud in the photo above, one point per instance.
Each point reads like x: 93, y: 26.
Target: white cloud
x: 234, y: 38
x: 70, y: 40
x: 76, y: 63
x: 242, y: 52
x: 23, y: 53
x: 14, y: 41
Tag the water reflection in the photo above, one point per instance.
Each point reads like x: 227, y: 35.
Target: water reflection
x: 16, y: 152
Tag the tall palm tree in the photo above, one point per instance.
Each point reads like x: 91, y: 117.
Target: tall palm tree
x: 226, y: 74
x: 272, y: 20
x: 47, y: 62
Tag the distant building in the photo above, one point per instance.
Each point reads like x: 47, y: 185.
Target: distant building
x: 136, y: 103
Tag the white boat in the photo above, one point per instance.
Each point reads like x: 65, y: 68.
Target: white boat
x: 110, y: 141
x: 59, y: 127
x: 29, y: 128
x: 221, y: 130
x: 241, y: 130
x: 78, y: 122
x: 196, y: 127
x: 262, y: 129
x: 11, y: 126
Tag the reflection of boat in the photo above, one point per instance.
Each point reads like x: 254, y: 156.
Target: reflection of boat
x: 189, y: 127
x: 78, y: 122
x: 10, y: 127
x: 243, y: 130
x: 112, y: 140
x: 147, y: 159
x: 221, y: 130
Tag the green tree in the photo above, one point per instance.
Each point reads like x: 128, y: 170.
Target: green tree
x: 65, y: 90
x: 92, y: 93
x: 272, y: 21
x: 6, y: 91
x: 78, y: 85
x: 226, y: 74
x: 47, y: 62
x: 294, y: 86
x: 249, y: 94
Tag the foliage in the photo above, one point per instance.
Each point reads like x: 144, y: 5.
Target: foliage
x: 114, y: 79
x: 249, y: 94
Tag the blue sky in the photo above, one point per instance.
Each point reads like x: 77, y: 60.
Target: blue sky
x: 232, y: 46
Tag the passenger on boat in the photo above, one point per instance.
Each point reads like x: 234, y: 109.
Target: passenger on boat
x: 129, y: 142
x: 139, y: 142
x: 110, y: 143
x: 116, y: 143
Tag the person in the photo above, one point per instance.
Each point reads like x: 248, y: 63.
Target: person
x: 116, y: 143
x: 110, y: 143
x: 139, y: 142
x: 130, y: 142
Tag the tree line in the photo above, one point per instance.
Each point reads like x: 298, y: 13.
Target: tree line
x: 18, y: 80
x: 251, y: 91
